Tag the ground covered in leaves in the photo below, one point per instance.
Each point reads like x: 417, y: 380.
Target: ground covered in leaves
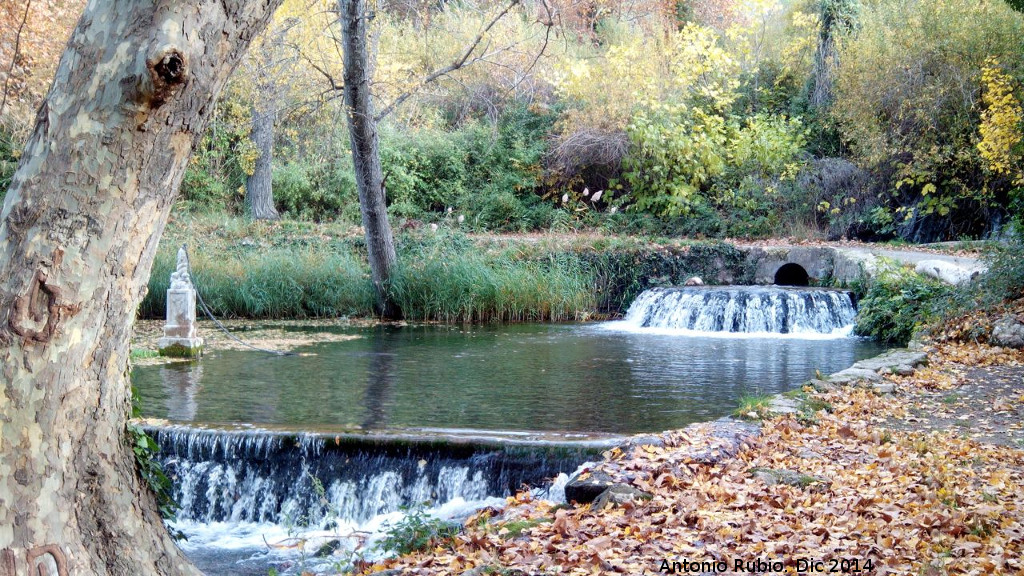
x: 929, y: 480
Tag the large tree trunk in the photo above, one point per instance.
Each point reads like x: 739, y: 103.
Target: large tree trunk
x: 362, y: 129
x: 259, y: 191
x: 78, y: 232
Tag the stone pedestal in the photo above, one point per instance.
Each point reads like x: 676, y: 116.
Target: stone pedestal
x: 180, y: 337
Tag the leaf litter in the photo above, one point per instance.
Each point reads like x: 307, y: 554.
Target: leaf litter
x: 901, y: 484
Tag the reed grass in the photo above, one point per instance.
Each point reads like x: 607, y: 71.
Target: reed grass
x: 445, y: 279
x: 288, y: 269
x: 279, y: 283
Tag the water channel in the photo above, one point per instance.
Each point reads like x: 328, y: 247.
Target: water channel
x: 680, y: 356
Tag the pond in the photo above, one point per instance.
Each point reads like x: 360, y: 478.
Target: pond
x: 608, y: 377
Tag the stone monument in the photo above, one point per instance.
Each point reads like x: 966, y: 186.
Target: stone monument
x: 180, y: 337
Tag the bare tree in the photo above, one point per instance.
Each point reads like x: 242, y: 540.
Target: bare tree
x: 78, y: 233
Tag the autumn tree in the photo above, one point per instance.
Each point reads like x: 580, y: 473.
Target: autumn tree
x: 268, y: 67
x: 78, y: 233
x: 364, y: 139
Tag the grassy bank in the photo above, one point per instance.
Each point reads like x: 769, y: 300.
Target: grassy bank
x: 303, y: 270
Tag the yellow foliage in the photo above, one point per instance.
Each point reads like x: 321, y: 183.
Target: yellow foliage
x: 1001, y: 121
x: 646, y: 71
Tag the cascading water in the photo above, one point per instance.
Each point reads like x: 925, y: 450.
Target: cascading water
x: 243, y: 485
x: 744, y: 309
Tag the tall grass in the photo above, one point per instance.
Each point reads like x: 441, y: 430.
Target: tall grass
x: 474, y: 287
x: 280, y: 283
x: 444, y: 278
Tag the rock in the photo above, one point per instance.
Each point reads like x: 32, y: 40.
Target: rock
x: 782, y: 405
x: 884, y: 387
x: 852, y: 265
x: 1008, y: 331
x: 854, y: 376
x: 790, y: 478
x: 821, y: 385
x: 327, y: 548
x: 491, y: 570
x: 946, y: 271
x: 808, y: 454
x: 646, y: 440
x: 693, y: 281
x: 619, y: 494
x: 585, y: 487
x: 894, y: 361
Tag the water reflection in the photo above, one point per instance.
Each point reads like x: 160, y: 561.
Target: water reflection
x: 181, y: 383
x: 527, y: 377
x: 379, y: 374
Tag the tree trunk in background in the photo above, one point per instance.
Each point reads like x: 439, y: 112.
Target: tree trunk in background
x: 826, y: 60
x: 78, y: 233
x: 837, y: 17
x: 259, y: 191
x: 362, y: 129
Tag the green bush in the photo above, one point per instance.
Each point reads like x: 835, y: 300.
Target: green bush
x: 910, y: 99
x: 279, y: 283
x: 489, y: 173
x: 417, y: 531
x: 10, y: 151
x: 898, y: 302
x: 721, y: 172
x: 321, y: 192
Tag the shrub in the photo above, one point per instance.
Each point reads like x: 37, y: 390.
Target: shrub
x: 911, y: 99
x: 320, y: 192
x: 687, y: 161
x: 417, y: 531
x: 899, y: 302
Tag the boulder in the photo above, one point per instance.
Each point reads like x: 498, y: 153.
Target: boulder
x: 782, y: 405
x: 901, y: 362
x: 946, y: 271
x: 586, y: 486
x: 790, y: 478
x: 693, y: 281
x: 852, y: 376
x: 1008, y: 331
x: 884, y: 387
x: 619, y: 494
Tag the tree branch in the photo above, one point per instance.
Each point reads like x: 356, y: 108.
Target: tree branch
x: 14, y: 56
x: 459, y: 62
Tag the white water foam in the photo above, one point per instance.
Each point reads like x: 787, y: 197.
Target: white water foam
x: 740, y: 312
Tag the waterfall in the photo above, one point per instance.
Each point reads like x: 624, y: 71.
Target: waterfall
x: 744, y: 309
x: 317, y: 480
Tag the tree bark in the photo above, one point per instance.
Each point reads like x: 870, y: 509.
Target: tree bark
x: 259, y: 190
x: 78, y: 233
x: 362, y: 129
x: 836, y: 18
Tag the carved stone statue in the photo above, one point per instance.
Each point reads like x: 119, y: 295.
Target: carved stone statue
x: 180, y: 337
x: 180, y: 278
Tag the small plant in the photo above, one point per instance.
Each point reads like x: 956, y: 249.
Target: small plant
x: 142, y: 353
x: 417, y: 531
x: 516, y: 528
x: 150, y: 469
x: 755, y: 406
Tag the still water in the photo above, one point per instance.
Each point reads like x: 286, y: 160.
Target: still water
x: 606, y: 377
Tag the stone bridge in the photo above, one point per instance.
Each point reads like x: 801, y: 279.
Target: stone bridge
x: 807, y: 265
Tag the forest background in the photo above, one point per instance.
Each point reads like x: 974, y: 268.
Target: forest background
x: 875, y: 119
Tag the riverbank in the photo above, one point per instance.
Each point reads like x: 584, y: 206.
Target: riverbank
x: 927, y: 479
x: 303, y: 270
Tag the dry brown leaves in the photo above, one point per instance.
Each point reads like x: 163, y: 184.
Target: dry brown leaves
x: 911, y: 502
